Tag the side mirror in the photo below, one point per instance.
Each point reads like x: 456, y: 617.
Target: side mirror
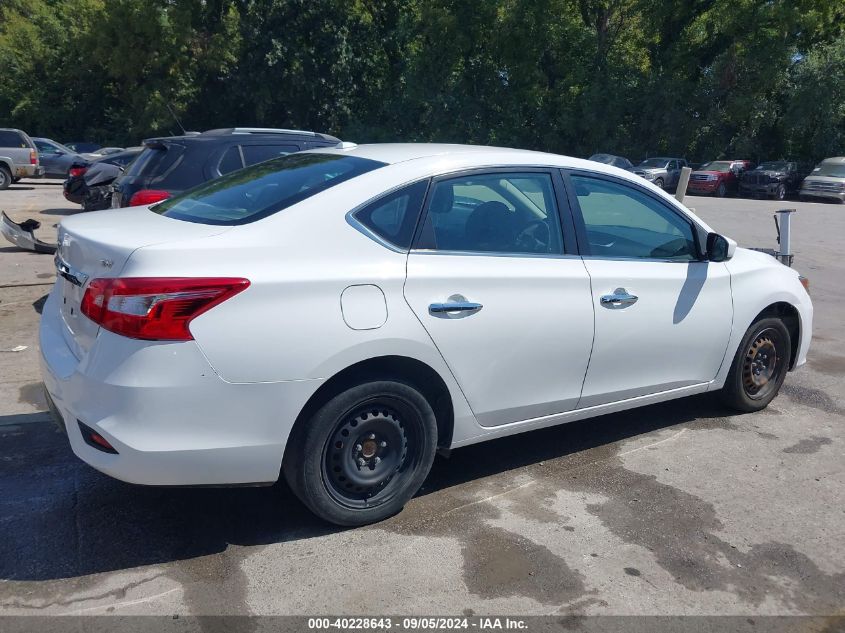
x: 719, y: 247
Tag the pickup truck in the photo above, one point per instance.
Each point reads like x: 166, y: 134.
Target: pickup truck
x: 18, y: 157
x: 661, y: 171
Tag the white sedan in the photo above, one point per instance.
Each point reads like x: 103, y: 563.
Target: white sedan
x: 337, y: 316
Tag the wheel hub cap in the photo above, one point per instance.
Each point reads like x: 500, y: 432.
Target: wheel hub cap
x: 365, y: 452
x: 760, y: 364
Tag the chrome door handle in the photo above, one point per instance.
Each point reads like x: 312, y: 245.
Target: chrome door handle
x: 619, y: 299
x: 457, y: 306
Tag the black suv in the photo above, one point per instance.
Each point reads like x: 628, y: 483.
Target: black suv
x: 774, y: 178
x: 172, y: 164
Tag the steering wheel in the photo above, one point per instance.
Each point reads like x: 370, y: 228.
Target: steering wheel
x: 530, y: 241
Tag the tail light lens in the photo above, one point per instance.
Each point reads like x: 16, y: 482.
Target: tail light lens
x: 33, y: 157
x: 76, y: 172
x: 155, y: 308
x: 148, y: 196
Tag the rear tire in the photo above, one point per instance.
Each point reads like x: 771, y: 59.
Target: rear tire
x: 364, y: 454
x: 759, y: 366
x: 5, y: 177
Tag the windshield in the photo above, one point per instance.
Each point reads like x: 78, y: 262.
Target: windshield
x: 716, y: 165
x: 775, y: 165
x: 250, y: 194
x: 654, y: 162
x: 607, y: 159
x: 836, y: 170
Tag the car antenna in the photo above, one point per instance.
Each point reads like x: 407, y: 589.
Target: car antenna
x: 175, y: 118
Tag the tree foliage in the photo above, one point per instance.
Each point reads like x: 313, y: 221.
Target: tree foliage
x: 701, y: 78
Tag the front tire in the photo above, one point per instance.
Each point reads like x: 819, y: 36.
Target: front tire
x: 780, y: 192
x: 759, y: 366
x: 721, y: 191
x: 362, y: 456
x: 659, y: 183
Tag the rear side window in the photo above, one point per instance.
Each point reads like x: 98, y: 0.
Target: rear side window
x: 393, y: 217
x: 155, y: 161
x: 259, y: 153
x: 264, y: 189
x: 231, y: 160
x: 12, y: 139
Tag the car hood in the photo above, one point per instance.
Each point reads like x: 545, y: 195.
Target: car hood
x: 764, y: 172
x: 708, y: 173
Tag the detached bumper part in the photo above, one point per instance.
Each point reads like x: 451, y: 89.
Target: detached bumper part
x: 22, y: 236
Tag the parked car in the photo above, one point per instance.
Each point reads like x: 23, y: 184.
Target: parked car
x: 337, y: 315
x: 89, y: 184
x: 105, y: 151
x: 774, y: 179
x: 18, y: 157
x: 57, y: 158
x: 826, y: 181
x: 718, y: 177
x: 616, y: 161
x: 661, y: 171
x: 173, y: 164
x: 83, y: 147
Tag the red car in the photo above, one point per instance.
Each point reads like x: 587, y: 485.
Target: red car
x: 718, y: 177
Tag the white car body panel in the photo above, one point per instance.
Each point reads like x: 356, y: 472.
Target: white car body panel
x: 674, y: 336
x: 325, y: 295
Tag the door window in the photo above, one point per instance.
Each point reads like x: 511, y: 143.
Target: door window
x: 494, y: 213
x: 394, y: 217
x: 621, y: 221
x: 46, y: 148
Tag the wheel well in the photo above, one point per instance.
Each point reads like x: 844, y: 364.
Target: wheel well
x: 416, y: 373
x: 789, y: 315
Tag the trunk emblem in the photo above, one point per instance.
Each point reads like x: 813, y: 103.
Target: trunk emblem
x: 107, y: 263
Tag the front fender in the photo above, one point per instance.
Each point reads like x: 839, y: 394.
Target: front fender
x: 759, y: 281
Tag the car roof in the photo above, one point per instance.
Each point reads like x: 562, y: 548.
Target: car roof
x: 835, y: 160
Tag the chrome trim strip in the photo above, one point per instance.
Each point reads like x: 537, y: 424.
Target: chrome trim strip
x: 74, y: 276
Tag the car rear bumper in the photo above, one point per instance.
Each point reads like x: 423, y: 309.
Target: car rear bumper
x: 29, y: 171
x: 170, y: 418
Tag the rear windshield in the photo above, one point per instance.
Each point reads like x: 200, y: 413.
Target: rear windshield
x: 253, y: 193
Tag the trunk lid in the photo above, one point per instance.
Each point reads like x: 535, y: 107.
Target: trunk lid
x: 98, y: 245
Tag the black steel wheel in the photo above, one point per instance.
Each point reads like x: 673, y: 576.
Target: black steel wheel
x: 363, y: 454
x: 759, y: 366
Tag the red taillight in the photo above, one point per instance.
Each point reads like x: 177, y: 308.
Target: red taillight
x: 76, y: 172
x: 155, y: 308
x: 33, y: 157
x: 148, y: 196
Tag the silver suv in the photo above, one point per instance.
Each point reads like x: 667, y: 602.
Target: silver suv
x: 827, y: 180
x: 18, y: 157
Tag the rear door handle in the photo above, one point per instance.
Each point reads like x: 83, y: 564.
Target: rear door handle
x: 457, y: 306
x: 619, y: 299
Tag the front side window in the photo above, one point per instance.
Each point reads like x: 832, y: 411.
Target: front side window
x: 621, y: 221
x: 494, y: 213
x: 255, y: 192
x: 394, y: 217
x: 46, y: 148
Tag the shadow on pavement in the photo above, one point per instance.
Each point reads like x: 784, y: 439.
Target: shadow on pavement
x: 63, y: 519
